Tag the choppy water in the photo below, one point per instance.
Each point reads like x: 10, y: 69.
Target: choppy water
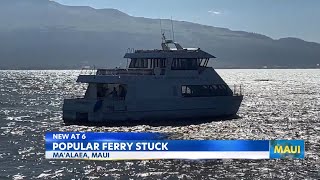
x: 279, y: 104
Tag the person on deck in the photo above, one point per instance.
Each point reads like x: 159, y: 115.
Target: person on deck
x: 123, y: 92
x: 114, y: 93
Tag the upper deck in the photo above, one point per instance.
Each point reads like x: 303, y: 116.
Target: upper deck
x: 168, y: 52
x: 187, y: 53
x: 171, y: 62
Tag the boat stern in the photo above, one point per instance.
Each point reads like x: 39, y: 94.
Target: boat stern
x: 77, y: 110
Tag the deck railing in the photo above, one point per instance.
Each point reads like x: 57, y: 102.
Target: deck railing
x: 125, y: 72
x: 237, y: 90
x: 86, y: 71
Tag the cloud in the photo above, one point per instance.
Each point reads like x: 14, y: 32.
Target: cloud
x: 214, y: 12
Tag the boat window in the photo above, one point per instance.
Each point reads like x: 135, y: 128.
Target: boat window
x: 186, y: 90
x: 205, y: 90
x: 214, y: 87
x: 138, y: 63
x: 132, y: 62
x: 147, y: 63
x: 122, y: 91
x: 184, y: 64
x: 203, y: 62
x: 102, y: 90
x: 118, y: 91
x: 161, y: 63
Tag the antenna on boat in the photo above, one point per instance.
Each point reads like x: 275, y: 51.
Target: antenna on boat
x: 172, y: 29
x: 160, y: 27
x: 163, y: 38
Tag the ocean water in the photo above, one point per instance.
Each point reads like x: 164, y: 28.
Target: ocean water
x: 278, y: 104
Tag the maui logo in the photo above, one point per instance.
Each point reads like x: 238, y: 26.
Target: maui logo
x: 287, y: 149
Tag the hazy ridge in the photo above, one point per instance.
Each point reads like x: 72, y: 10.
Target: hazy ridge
x: 41, y: 34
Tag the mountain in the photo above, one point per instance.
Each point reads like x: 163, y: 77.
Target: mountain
x: 42, y: 34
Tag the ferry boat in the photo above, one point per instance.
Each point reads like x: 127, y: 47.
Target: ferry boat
x: 170, y: 83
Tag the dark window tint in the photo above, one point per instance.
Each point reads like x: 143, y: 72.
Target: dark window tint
x: 184, y: 64
x: 205, y: 90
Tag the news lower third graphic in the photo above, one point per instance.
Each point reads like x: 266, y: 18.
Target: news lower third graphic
x: 287, y: 149
x: 141, y: 146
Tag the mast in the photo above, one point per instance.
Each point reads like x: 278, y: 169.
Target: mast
x: 161, y: 33
x: 172, y: 29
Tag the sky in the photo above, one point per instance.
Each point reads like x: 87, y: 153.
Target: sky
x: 274, y: 18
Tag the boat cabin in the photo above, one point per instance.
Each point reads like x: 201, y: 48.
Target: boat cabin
x: 177, y: 58
x: 177, y: 63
